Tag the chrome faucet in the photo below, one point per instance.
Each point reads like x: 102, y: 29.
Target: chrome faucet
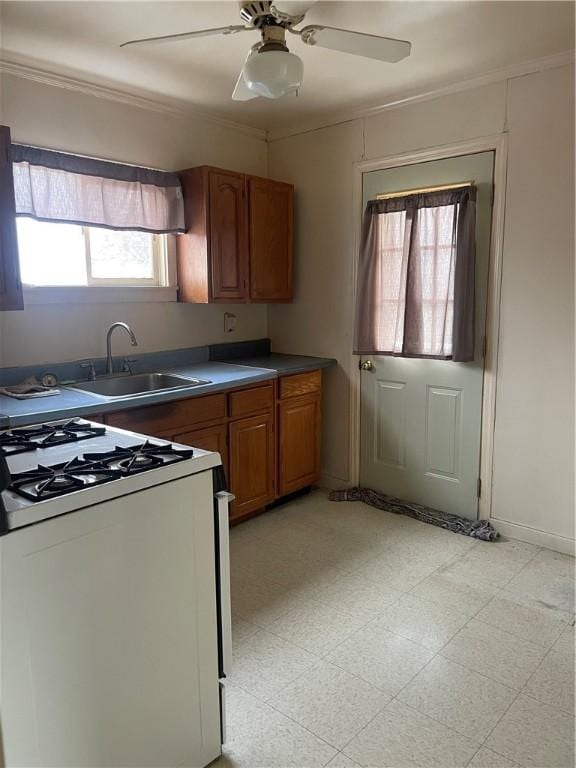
x: 129, y: 331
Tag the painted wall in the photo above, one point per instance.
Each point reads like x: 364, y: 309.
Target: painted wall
x: 61, y: 119
x: 534, y: 447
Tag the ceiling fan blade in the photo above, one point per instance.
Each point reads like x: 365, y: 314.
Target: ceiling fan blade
x: 241, y: 91
x: 357, y: 43
x: 188, y: 35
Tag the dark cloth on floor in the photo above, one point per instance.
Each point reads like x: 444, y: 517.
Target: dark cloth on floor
x: 478, y: 529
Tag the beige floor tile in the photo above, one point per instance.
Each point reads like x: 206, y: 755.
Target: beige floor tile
x: 357, y: 595
x: 397, y: 572
x: 534, y: 734
x: 485, y: 758
x: 553, y: 682
x: 331, y: 703
x: 490, y: 563
x: 499, y: 655
x: 269, y: 739
x: 566, y: 644
x: 261, y: 601
x: 405, y: 559
x: 400, y: 737
x: 316, y: 627
x: 323, y: 577
x: 341, y: 761
x: 240, y: 707
x: 265, y: 663
x: 548, y: 578
x: 524, y: 618
x: 242, y: 630
x: 429, y: 624
x: 382, y: 658
x: 459, y: 698
x: 443, y: 589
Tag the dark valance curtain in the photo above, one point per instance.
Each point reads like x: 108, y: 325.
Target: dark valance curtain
x: 415, y: 292
x: 54, y: 186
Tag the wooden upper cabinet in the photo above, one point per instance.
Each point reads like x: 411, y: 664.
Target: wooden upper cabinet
x: 228, y: 237
x: 10, y: 285
x: 239, y: 238
x: 270, y: 205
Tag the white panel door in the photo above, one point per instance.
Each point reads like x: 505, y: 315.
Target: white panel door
x: 109, y: 635
x: 421, y: 419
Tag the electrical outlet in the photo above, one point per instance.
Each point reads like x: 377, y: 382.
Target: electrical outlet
x: 229, y: 322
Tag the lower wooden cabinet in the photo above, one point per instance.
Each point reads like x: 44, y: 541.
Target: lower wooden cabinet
x: 208, y: 439
x: 252, y: 463
x: 267, y: 435
x: 299, y: 443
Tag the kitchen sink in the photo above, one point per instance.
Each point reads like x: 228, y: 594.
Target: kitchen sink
x: 137, y: 384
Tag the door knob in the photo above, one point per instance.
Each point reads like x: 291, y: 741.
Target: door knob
x: 367, y: 365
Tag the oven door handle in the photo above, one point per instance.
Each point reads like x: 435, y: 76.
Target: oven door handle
x: 223, y: 499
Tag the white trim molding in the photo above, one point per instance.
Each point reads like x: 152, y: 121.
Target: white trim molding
x: 402, y: 100
x: 498, y: 144
x: 172, y: 107
x: 535, y: 536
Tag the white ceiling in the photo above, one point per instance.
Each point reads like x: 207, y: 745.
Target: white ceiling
x: 452, y: 41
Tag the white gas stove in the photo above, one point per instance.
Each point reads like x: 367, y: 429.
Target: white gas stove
x: 115, y: 611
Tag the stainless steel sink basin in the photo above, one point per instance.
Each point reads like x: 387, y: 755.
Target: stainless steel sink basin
x: 138, y: 384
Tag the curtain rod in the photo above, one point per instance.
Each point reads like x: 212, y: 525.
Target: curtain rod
x: 422, y: 190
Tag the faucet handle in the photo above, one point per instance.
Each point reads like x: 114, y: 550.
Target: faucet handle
x: 127, y: 365
x: 91, y: 369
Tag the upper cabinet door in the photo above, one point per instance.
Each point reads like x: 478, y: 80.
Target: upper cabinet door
x: 10, y: 285
x: 271, y: 206
x: 228, y: 237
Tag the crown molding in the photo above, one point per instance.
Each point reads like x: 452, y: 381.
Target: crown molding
x: 174, y: 107
x: 494, y: 76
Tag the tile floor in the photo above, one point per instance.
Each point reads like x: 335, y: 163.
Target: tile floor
x: 366, y: 639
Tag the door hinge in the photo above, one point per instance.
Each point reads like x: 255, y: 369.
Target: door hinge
x: 479, y: 487
x: 484, y: 346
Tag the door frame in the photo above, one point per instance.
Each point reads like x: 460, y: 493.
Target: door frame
x: 498, y: 143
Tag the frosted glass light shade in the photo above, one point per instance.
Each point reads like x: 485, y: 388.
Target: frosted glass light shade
x: 273, y: 73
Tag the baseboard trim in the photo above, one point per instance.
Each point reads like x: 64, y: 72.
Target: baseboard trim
x: 534, y: 536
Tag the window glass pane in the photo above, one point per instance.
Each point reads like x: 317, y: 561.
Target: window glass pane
x: 51, y: 254
x: 117, y: 255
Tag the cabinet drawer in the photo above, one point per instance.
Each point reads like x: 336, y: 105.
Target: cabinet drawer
x: 171, y: 416
x: 250, y: 401
x: 300, y: 384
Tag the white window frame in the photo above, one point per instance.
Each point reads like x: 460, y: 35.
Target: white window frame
x: 161, y: 288
x: 159, y: 266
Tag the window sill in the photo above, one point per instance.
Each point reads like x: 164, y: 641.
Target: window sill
x: 79, y: 294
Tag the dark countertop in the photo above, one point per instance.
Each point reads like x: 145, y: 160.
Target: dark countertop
x: 285, y: 364
x: 222, y: 376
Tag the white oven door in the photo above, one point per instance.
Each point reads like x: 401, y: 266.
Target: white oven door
x: 109, y: 643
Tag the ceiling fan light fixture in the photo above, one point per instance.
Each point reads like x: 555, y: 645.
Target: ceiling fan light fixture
x: 273, y: 74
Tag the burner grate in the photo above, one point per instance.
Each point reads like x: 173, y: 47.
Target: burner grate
x: 140, y: 458
x: 57, y: 480
x: 94, y: 469
x: 24, y: 439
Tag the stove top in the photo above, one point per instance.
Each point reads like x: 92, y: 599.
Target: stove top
x: 47, y: 482
x: 50, y: 469
x: 26, y: 439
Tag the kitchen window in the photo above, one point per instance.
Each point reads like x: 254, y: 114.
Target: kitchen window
x: 56, y: 255
x: 91, y: 230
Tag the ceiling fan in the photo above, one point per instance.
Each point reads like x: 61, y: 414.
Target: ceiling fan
x: 270, y: 70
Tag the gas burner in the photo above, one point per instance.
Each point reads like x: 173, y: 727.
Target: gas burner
x: 139, y: 458
x: 48, y: 482
x: 45, y: 435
